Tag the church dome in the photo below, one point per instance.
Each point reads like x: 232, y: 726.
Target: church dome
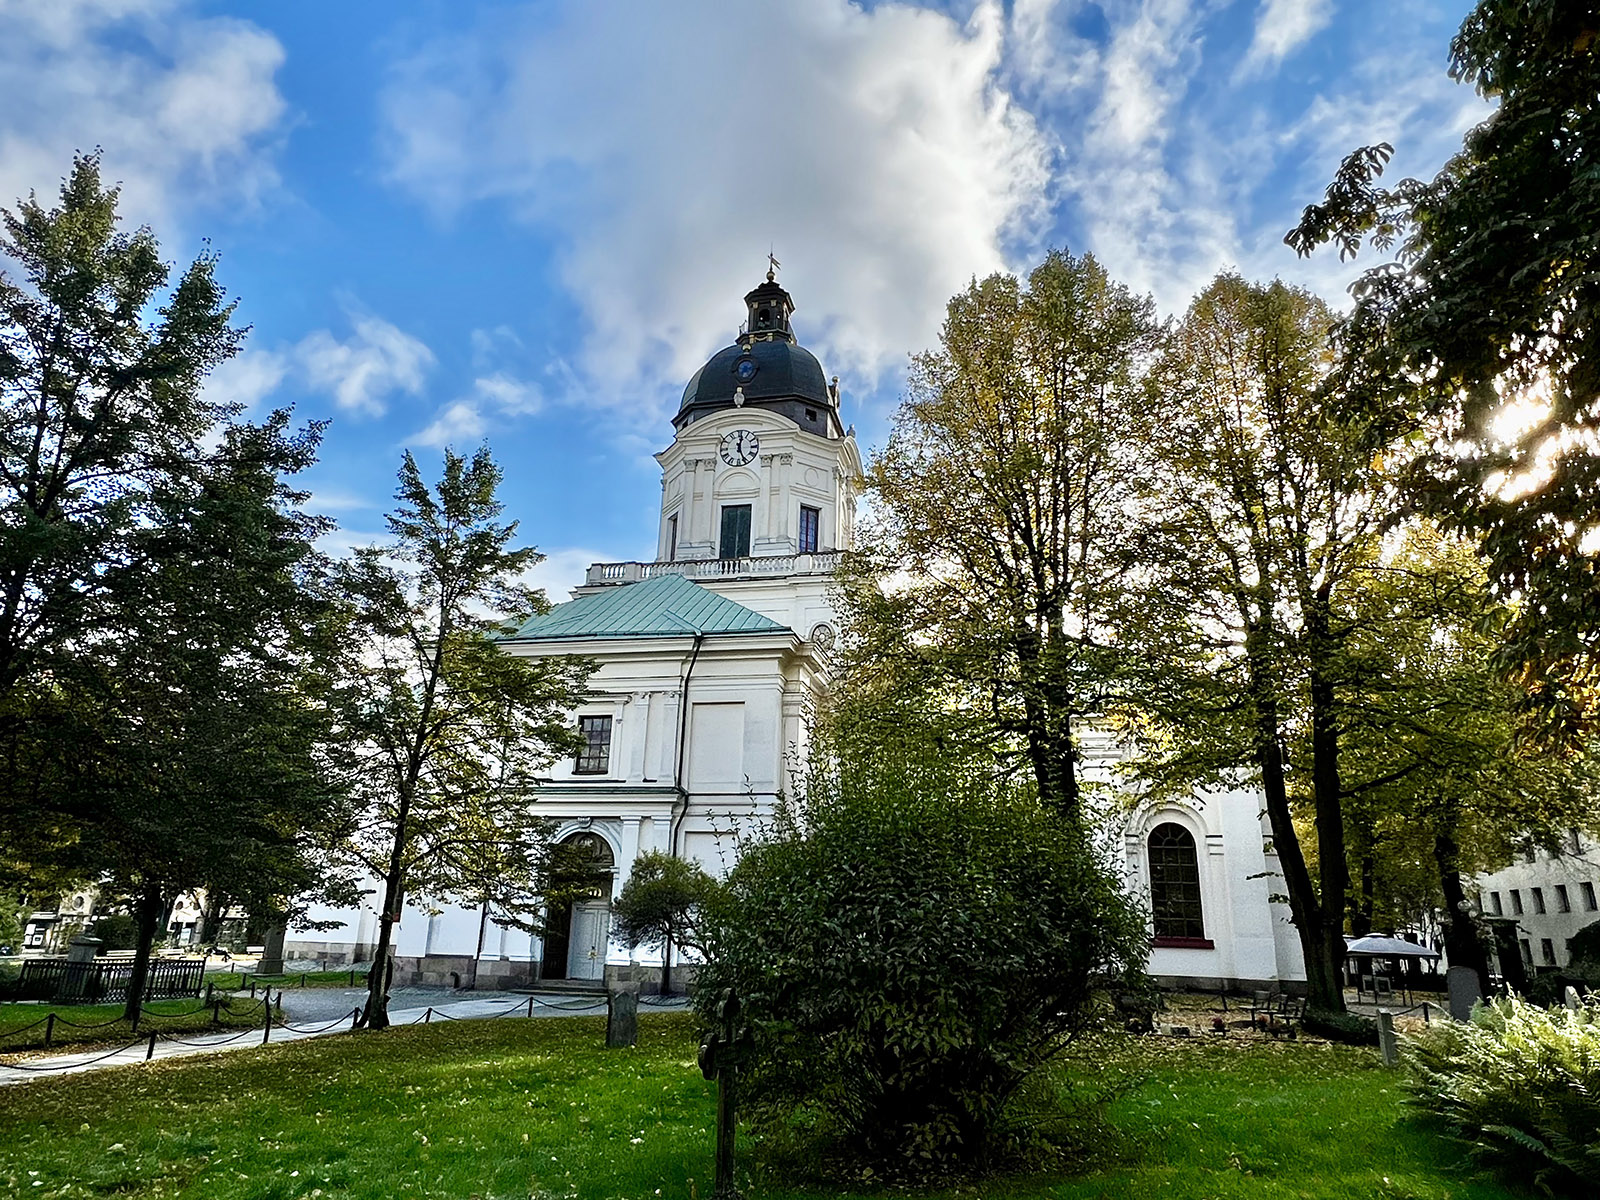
x: 765, y: 368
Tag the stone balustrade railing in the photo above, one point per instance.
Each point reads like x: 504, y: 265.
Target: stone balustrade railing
x: 716, y: 568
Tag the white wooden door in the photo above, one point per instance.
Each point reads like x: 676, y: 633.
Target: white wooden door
x: 586, y: 949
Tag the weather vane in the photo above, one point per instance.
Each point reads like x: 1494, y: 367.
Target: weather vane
x: 774, y: 264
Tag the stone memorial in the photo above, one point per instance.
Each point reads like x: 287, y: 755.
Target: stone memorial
x: 622, y: 1015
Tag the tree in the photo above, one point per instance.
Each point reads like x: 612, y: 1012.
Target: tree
x: 157, y: 604
x: 446, y: 731
x: 664, y: 904
x: 1262, y: 514
x: 1492, y: 304
x: 912, y: 941
x: 1000, y: 506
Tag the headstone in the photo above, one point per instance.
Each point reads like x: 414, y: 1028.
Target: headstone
x: 81, y: 977
x: 271, y: 960
x: 1571, y: 997
x: 622, y: 1015
x: 721, y: 1055
x: 1463, y: 985
x: 1386, y: 1039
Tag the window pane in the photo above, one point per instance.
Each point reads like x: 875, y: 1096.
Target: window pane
x: 810, y: 524
x: 1175, y: 883
x: 595, y: 756
x: 735, y: 531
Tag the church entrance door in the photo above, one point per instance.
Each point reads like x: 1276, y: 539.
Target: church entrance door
x: 586, y: 947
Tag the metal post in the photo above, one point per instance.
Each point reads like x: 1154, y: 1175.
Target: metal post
x: 211, y: 990
x: 427, y: 1017
x: 150, y: 1051
x: 355, y: 1019
x: 266, y: 1026
x: 252, y: 987
x: 530, y: 1006
x: 49, y: 1029
x: 216, y: 1012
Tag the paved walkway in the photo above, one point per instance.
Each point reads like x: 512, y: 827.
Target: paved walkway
x: 307, y: 1015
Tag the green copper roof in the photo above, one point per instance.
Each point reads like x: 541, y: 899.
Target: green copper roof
x: 666, y: 606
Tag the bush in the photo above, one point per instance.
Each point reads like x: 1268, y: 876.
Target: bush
x: 116, y: 931
x: 1584, y: 946
x: 911, y: 945
x: 1521, y: 1085
x: 1349, y: 1028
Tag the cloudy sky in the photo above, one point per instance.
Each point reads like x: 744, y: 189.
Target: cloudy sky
x: 529, y: 223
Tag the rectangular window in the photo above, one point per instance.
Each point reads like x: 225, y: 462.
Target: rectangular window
x: 1516, y: 902
x: 1588, y: 896
x: 1563, y: 901
x: 810, y: 527
x: 1527, y: 951
x: 595, y: 756
x: 1538, y: 899
x: 1547, y: 950
x: 735, y: 531
x: 672, y: 538
x: 1494, y: 903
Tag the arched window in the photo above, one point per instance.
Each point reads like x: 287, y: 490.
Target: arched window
x: 1175, y: 883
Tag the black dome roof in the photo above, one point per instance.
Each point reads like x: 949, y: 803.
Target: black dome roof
x: 768, y: 367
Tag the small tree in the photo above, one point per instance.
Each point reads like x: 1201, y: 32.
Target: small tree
x: 912, y: 942
x: 445, y: 731
x: 665, y: 903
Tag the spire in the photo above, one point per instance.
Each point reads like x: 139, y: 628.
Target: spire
x: 769, y: 306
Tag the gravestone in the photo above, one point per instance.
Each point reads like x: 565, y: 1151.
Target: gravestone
x: 81, y: 979
x: 1571, y: 997
x: 622, y: 1015
x: 1463, y: 985
x: 271, y: 960
x: 724, y: 1051
x: 1386, y: 1039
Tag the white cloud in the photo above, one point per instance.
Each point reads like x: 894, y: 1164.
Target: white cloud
x: 456, y: 425
x: 668, y: 146
x: 1282, y: 27
x: 247, y: 378
x: 562, y: 570
x: 185, y: 107
x: 362, y: 371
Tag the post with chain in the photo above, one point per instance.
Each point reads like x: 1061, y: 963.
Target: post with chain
x: 266, y: 1025
x: 49, y: 1029
x: 725, y: 1050
x: 150, y: 1050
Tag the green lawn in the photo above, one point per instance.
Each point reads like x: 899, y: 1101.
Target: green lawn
x: 23, y: 1026
x: 520, y: 1108
x: 227, y: 981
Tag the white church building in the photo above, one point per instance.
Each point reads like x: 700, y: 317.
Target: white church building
x: 709, y: 658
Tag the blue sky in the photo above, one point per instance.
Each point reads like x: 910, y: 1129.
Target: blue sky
x: 530, y: 222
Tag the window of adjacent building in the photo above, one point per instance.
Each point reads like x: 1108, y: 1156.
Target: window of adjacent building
x: 735, y: 531
x: 672, y: 538
x: 1516, y: 902
x: 1494, y: 903
x: 1547, y: 951
x: 1538, y: 899
x: 1563, y: 901
x: 595, y: 756
x: 1175, y: 883
x: 1588, y: 896
x: 1527, y: 951
x: 810, y: 527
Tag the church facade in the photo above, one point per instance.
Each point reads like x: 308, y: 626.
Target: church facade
x: 710, y: 656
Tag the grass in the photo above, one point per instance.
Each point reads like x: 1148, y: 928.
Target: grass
x: 229, y: 981
x: 538, y: 1108
x: 23, y: 1026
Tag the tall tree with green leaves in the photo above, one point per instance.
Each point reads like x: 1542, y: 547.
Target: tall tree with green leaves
x: 1492, y: 302
x: 1000, y: 507
x: 1262, y: 514
x: 447, y: 732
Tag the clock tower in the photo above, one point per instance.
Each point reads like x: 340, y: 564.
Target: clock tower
x: 761, y: 477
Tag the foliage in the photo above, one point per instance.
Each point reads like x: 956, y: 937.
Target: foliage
x: 116, y: 931
x: 666, y: 899
x: 446, y: 730
x: 1521, y: 1085
x: 999, y: 507
x: 911, y: 943
x: 157, y: 708
x: 1492, y: 302
x: 1210, y: 1117
x: 1261, y: 515
x: 1347, y: 1028
x: 1584, y: 946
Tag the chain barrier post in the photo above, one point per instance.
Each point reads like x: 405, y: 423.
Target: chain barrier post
x: 49, y: 1029
x: 150, y: 1050
x: 530, y: 1006
x: 252, y: 987
x: 355, y: 1018
x: 266, y: 1026
x: 427, y: 1017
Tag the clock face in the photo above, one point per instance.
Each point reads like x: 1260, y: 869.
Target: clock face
x: 744, y: 370
x: 739, y: 447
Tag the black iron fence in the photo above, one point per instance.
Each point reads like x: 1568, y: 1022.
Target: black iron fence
x: 63, y: 982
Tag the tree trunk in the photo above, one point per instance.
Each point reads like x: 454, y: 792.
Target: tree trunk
x: 666, y: 962
x: 1361, y: 910
x: 147, y: 913
x: 483, y: 924
x: 211, y: 919
x: 1462, y: 946
x: 1327, y: 795
x: 1324, y: 984
x: 376, y: 1013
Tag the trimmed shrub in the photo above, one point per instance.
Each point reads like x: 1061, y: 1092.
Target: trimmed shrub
x: 911, y: 944
x: 1521, y: 1086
